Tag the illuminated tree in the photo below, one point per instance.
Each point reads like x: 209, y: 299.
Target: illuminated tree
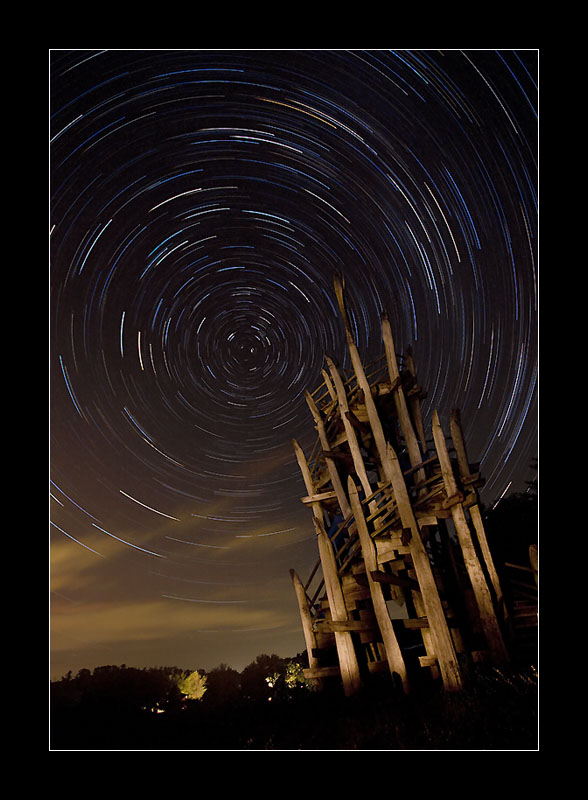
x: 193, y: 685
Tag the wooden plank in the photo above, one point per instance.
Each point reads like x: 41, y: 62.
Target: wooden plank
x: 456, y: 498
x: 377, y: 666
x: 413, y: 624
x: 385, y: 577
x: 385, y: 550
x: 330, y: 626
x: 321, y: 672
x: 422, y: 623
x: 317, y: 498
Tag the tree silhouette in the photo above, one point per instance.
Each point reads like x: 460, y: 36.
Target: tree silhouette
x: 223, y: 686
x: 253, y: 678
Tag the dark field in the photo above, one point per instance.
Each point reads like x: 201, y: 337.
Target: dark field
x: 499, y: 711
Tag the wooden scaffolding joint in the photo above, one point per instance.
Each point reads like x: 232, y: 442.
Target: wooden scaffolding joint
x: 393, y: 652
x: 439, y: 629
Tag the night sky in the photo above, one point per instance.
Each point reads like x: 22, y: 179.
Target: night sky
x: 200, y: 202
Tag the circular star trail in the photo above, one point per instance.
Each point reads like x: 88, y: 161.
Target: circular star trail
x: 200, y: 203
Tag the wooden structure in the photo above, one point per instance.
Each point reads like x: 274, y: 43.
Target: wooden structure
x: 405, y: 580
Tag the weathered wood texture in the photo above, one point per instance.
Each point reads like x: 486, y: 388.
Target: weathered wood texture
x: 381, y: 553
x: 393, y: 652
x: 472, y: 563
x: 345, y: 649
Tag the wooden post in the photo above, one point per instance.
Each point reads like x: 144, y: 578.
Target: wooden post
x: 339, y: 283
x: 393, y: 652
x: 329, y: 385
x: 343, y: 641
x: 415, y: 405
x: 443, y: 642
x: 458, y: 440
x: 373, y: 417
x: 414, y: 451
x: 305, y: 616
x: 472, y: 564
x: 331, y: 466
x: 349, y: 429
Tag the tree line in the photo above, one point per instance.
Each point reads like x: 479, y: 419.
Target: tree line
x: 511, y: 526
x: 160, y: 689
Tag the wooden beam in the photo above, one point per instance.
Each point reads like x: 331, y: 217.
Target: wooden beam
x: 302, y: 463
x: 472, y: 564
x: 344, y: 644
x: 321, y: 672
x: 349, y: 429
x: 329, y: 626
x: 345, y: 649
x: 317, y: 498
x: 459, y: 445
x: 393, y: 653
x: 385, y: 577
x: 415, y: 404
x: 414, y: 451
x: 331, y: 466
x: 433, y: 609
x: 329, y: 385
x: 305, y: 616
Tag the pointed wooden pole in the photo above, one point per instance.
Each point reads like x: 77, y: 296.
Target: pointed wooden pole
x: 414, y: 401
x: 339, y: 283
x: 412, y: 445
x: 393, y: 653
x: 331, y: 466
x: 349, y: 429
x: 472, y: 564
x: 345, y: 649
x: 440, y: 634
x: 458, y: 440
x: 329, y: 385
x: 306, y: 619
x: 362, y: 381
x: 343, y: 641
